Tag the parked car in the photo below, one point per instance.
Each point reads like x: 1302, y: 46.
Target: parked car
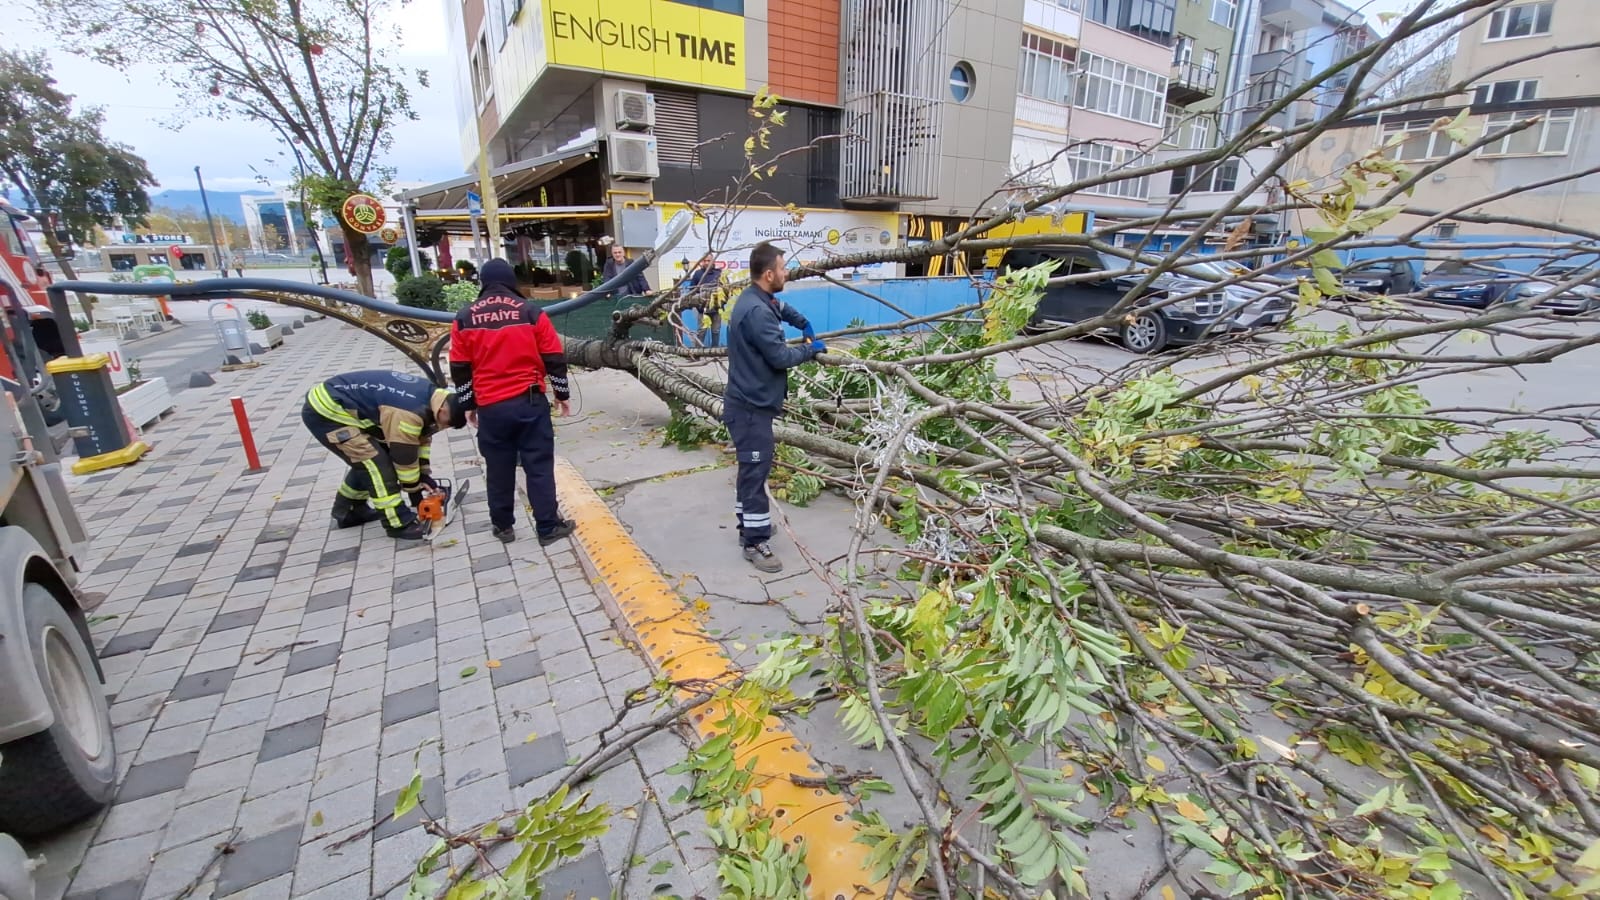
x: 1461, y: 282
x: 1211, y: 313
x: 1380, y: 276
x: 1572, y: 301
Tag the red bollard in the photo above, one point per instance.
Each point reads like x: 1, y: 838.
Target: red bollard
x: 249, y: 440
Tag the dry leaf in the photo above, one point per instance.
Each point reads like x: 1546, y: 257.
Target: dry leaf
x: 1166, y: 893
x: 1191, y: 811
x: 1156, y: 763
x: 493, y: 663
x: 630, y: 813
x: 316, y: 819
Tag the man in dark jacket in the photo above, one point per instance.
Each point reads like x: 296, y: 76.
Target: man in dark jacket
x: 636, y: 287
x: 381, y: 423
x: 701, y: 284
x: 758, y: 383
x: 503, y: 349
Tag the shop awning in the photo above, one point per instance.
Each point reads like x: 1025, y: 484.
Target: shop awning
x: 512, y: 182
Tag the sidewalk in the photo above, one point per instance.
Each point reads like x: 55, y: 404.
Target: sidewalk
x: 273, y: 679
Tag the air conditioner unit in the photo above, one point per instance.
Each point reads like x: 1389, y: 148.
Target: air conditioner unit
x: 636, y: 110
x: 633, y: 156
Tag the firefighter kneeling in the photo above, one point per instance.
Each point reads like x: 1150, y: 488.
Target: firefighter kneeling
x: 381, y: 423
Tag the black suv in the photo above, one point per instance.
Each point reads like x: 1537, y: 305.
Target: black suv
x: 1145, y: 330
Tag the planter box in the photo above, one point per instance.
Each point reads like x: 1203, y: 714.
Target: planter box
x: 147, y: 402
x: 262, y: 340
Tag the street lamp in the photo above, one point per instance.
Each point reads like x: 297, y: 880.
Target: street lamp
x: 222, y: 265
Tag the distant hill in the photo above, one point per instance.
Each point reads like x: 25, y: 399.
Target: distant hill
x: 224, y: 204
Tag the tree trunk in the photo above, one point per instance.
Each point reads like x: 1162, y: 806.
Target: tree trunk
x: 359, y: 254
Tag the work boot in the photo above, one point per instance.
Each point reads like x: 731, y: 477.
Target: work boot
x: 506, y: 535
x: 557, y: 533
x: 413, y: 531
x: 761, y: 556
x: 349, y: 513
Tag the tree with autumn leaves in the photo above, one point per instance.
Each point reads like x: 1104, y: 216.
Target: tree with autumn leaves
x: 317, y: 72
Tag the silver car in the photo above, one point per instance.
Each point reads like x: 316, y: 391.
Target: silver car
x: 1572, y: 301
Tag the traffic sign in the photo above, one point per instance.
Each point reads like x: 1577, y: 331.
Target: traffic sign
x: 474, y: 204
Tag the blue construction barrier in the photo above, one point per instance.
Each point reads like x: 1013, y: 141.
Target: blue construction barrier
x: 831, y: 307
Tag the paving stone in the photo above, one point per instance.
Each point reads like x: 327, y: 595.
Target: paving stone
x: 410, y: 703
x: 490, y: 563
x: 259, y: 859
x: 204, y: 818
x: 287, y: 739
x: 198, y: 548
x: 274, y: 811
x: 170, y: 589
x: 344, y: 889
x: 231, y: 620
x: 413, y: 582
x: 128, y: 643
x: 255, y: 573
x: 156, y: 777
x: 153, y: 528
x: 131, y: 818
x: 496, y: 609
x: 177, y: 866
x: 308, y: 658
x: 582, y: 879
x: 295, y: 503
x: 514, y: 669
x: 410, y: 634
x: 117, y: 565
x: 320, y: 863
x: 131, y: 889
x: 202, y: 684
x: 432, y: 799
x: 541, y: 756
x: 337, y: 557
x: 277, y: 533
x: 474, y: 762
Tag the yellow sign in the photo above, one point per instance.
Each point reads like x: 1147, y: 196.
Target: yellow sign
x: 1070, y: 223
x: 657, y: 39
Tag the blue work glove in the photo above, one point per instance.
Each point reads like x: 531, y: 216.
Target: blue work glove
x: 817, y: 346
x: 810, y: 333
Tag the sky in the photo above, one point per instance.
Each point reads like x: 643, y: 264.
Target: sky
x: 235, y: 155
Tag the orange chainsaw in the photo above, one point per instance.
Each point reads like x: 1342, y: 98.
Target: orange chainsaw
x: 439, y: 505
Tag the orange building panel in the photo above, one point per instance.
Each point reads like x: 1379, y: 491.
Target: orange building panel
x: 803, y: 50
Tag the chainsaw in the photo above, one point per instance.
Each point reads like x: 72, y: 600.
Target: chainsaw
x: 439, y: 505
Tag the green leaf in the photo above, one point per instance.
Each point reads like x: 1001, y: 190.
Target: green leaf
x: 1327, y: 283
x: 1364, y: 222
x: 408, y: 799
x: 1378, y: 801
x: 316, y: 819
x: 469, y: 671
x: 661, y: 867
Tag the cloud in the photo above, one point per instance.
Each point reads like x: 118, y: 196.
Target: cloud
x: 142, y: 111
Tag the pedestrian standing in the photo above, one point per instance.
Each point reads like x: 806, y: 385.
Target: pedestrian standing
x: 637, y: 286
x: 238, y: 264
x: 503, y: 353
x: 701, y: 284
x: 758, y: 383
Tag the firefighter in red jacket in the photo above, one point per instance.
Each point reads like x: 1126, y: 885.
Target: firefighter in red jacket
x: 503, y: 351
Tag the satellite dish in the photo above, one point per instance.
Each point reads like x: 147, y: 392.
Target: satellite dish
x: 673, y: 231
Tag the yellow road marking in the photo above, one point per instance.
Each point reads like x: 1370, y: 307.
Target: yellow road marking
x: 658, y: 620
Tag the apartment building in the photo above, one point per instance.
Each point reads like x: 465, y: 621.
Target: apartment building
x: 1294, y: 40
x: 1529, y: 80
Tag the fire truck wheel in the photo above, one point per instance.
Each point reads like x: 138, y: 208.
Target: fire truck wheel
x: 56, y: 777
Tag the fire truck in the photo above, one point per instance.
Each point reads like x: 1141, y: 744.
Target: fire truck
x: 57, y: 756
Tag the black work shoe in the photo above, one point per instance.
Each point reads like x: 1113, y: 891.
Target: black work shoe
x: 761, y: 556
x: 412, y: 532
x: 350, y: 514
x: 506, y: 535
x: 557, y: 533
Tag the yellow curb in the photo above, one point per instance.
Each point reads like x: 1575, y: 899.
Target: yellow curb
x: 127, y: 456
x: 657, y: 619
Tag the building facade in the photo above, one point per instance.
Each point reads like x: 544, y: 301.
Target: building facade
x: 1525, y: 81
x: 1294, y: 41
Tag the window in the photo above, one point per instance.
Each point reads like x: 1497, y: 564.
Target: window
x: 1118, y: 89
x: 1222, y: 12
x: 1188, y: 130
x: 1208, y: 178
x: 1520, y: 21
x: 1042, y: 69
x: 1210, y: 61
x: 961, y: 80
x: 482, y: 80
x: 1550, y: 137
x: 1421, y: 142
x: 1506, y: 91
x: 1099, y: 160
x: 1183, y: 51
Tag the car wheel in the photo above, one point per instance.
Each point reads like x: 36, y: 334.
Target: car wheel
x: 1146, y: 334
x: 58, y: 776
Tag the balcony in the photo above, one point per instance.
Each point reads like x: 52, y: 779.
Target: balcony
x: 1190, y: 83
x: 1268, y: 61
x: 1291, y: 15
